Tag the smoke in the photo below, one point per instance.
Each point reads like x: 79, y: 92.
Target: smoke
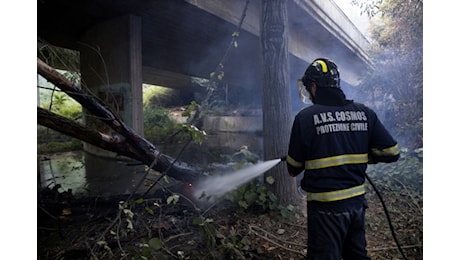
x: 240, y: 87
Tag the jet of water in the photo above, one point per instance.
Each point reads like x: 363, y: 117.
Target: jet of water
x: 215, y: 186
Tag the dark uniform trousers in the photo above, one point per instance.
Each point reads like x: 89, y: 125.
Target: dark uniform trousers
x: 336, y: 233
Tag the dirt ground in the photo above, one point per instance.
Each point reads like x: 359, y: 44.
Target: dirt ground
x: 155, y: 228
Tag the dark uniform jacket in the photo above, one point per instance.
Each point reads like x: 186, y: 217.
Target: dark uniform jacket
x: 333, y: 141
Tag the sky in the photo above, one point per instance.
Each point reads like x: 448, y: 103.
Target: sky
x: 353, y: 13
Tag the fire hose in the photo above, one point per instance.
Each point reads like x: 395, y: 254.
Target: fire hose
x: 393, y: 233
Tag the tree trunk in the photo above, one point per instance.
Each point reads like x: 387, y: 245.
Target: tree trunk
x: 276, y: 103
x: 125, y: 142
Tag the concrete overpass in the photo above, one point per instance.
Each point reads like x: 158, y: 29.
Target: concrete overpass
x: 123, y: 44
x: 177, y: 33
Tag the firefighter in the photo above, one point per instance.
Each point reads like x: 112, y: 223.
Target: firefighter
x: 332, y: 142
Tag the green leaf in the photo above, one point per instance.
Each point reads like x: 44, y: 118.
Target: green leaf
x: 270, y: 180
x: 250, y: 197
x: 101, y: 243
x: 209, y: 220
x: 262, y: 197
x: 149, y: 210
x: 272, y: 196
x: 197, y: 221
x: 196, y: 134
x: 221, y: 75
x: 172, y: 199
x: 245, y: 241
x: 243, y: 204
x: 121, y: 205
x: 155, y: 243
x: 130, y: 225
x: 128, y: 213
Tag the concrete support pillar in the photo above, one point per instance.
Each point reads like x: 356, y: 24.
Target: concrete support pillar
x: 111, y: 68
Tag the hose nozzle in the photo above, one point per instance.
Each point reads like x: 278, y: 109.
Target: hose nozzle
x: 283, y: 158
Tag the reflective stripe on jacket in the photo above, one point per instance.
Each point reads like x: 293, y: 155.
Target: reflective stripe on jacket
x: 337, y: 194
x: 335, y: 161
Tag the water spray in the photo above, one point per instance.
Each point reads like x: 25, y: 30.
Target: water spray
x: 218, y: 185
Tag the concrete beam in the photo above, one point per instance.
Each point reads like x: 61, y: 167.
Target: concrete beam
x: 334, y: 20
x: 317, y: 28
x: 171, y: 79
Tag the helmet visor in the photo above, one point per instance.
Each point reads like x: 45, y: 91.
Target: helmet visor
x: 303, y: 93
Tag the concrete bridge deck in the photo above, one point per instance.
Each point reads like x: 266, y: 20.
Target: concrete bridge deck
x: 184, y: 38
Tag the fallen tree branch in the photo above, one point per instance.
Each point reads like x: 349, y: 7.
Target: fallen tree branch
x: 126, y: 142
x: 72, y: 128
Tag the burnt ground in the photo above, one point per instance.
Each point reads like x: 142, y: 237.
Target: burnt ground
x: 167, y: 227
